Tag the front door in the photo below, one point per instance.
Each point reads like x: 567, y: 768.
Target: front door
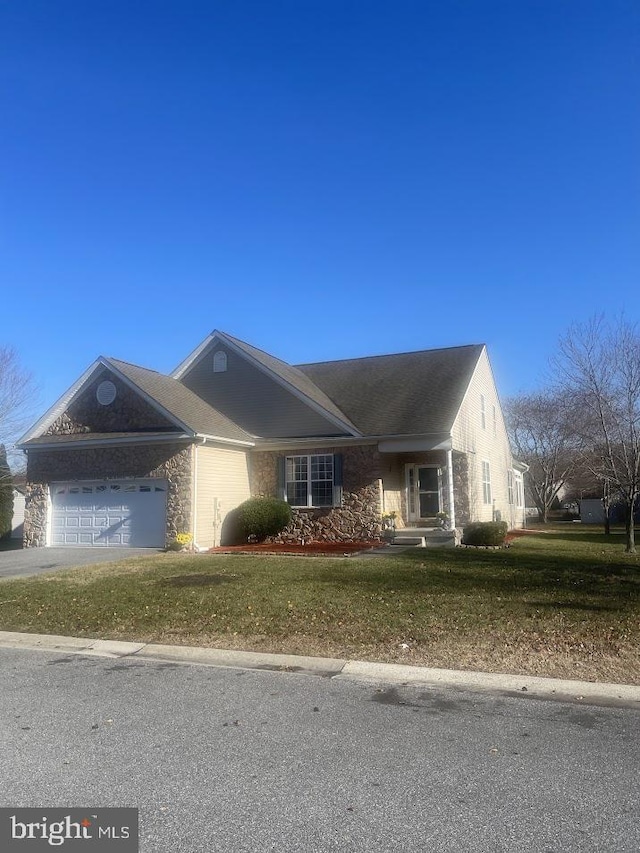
x: 423, y: 487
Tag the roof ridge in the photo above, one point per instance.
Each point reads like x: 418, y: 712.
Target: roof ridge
x: 133, y: 364
x: 388, y: 355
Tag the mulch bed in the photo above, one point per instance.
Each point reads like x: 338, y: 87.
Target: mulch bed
x: 316, y: 549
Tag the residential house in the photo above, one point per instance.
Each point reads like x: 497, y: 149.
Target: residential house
x: 129, y: 456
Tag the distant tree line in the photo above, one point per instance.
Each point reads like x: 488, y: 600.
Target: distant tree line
x: 16, y: 398
x: 583, y: 429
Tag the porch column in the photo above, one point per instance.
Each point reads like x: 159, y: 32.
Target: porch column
x: 452, y: 506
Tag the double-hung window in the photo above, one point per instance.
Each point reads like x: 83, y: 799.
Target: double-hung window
x: 486, y: 481
x: 310, y: 480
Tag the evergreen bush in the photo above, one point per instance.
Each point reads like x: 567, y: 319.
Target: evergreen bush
x: 258, y: 518
x: 485, y: 533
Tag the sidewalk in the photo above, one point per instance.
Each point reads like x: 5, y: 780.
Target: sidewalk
x: 555, y: 689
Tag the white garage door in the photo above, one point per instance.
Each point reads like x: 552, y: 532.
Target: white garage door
x: 114, y: 513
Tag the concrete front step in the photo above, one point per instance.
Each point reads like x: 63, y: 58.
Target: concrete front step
x: 426, y: 537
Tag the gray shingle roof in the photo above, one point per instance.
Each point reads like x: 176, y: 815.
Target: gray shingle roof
x: 181, y: 402
x: 403, y: 394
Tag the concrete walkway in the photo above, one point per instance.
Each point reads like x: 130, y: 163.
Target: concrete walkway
x: 584, y: 692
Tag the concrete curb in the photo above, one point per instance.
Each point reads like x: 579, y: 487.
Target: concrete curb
x: 488, y: 682
x: 563, y: 690
x: 326, y: 667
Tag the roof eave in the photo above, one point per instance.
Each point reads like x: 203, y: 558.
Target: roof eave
x: 107, y: 442
x: 418, y: 441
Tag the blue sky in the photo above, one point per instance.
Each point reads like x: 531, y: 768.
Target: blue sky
x: 322, y: 179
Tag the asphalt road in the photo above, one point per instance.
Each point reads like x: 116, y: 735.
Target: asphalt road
x: 23, y: 562
x: 228, y: 760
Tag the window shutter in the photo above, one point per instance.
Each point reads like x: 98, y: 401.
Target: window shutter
x: 282, y: 486
x: 337, y: 479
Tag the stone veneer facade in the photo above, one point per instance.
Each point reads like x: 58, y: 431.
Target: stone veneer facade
x: 461, y: 488
x: 127, y: 413
x: 359, y: 517
x: 171, y: 461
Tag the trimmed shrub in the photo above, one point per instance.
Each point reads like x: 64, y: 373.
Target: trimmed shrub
x: 485, y: 533
x: 258, y: 518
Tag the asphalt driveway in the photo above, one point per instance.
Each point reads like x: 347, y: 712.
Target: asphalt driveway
x: 35, y: 561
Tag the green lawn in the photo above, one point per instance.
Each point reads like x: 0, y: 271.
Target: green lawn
x: 560, y: 603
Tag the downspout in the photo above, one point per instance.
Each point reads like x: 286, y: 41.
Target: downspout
x: 194, y: 501
x: 452, y: 507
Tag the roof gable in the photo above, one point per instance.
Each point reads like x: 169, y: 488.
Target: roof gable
x: 146, y: 402
x: 196, y: 414
x: 265, y: 395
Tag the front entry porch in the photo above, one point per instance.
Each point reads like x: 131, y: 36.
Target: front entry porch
x: 424, y: 491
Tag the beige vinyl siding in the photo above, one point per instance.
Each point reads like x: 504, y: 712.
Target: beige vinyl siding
x: 252, y: 399
x: 393, y: 485
x: 489, y: 444
x: 222, y: 474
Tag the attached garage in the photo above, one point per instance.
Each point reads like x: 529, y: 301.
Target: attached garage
x: 114, y: 513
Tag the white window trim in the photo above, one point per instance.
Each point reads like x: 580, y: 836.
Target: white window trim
x: 483, y: 412
x: 309, y: 456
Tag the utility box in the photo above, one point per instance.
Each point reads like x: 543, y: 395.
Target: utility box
x: 592, y: 511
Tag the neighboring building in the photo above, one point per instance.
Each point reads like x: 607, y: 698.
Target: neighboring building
x: 17, y: 523
x: 129, y: 456
x: 592, y: 511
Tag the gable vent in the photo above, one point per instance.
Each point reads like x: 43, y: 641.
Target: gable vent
x: 106, y: 393
x: 220, y: 361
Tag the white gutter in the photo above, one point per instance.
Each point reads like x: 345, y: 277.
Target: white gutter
x: 435, y: 441
x: 225, y: 440
x: 107, y: 442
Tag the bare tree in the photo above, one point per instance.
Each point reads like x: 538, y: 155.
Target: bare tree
x: 17, y: 392
x: 541, y: 433
x: 598, y: 364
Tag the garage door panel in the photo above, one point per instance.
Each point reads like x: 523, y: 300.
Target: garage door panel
x: 129, y: 513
